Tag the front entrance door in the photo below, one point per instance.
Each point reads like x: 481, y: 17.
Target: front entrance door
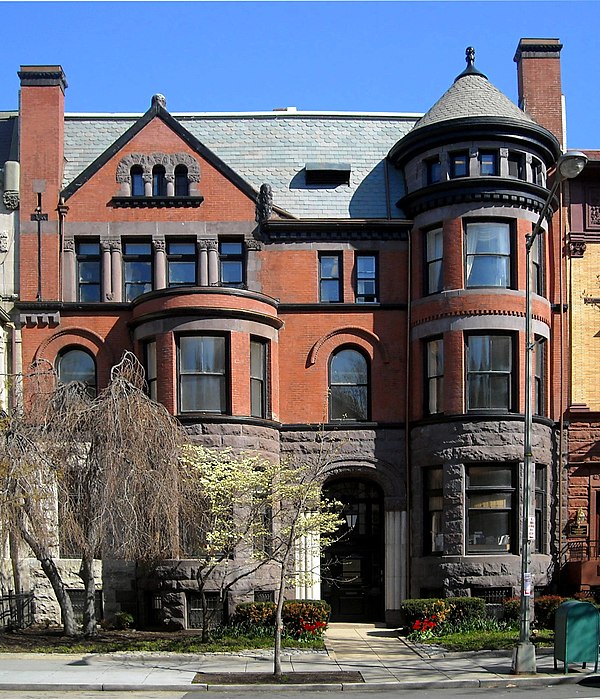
x: 352, y: 571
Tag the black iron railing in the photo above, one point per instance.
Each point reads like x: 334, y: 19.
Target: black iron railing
x: 16, y: 610
x: 581, y: 550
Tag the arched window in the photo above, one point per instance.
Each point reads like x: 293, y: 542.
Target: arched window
x: 137, y: 181
x: 77, y: 365
x: 182, y: 187
x: 348, y: 385
x: 159, y: 183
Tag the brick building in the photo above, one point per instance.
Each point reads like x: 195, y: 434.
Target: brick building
x: 280, y: 271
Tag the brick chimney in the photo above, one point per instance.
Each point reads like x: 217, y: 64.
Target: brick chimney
x: 41, y: 154
x: 540, y: 91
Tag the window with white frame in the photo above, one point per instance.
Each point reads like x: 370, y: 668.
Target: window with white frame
x: 348, y: 385
x: 489, y: 377
x: 434, y: 264
x: 488, y: 254
x: 202, y: 373
x: 435, y: 375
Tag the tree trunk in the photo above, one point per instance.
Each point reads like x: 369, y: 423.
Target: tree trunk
x: 53, y: 575
x: 279, y: 616
x: 86, y: 573
x: 15, y: 557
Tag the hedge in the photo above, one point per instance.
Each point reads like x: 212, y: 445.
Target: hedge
x: 299, y: 616
x: 451, y: 610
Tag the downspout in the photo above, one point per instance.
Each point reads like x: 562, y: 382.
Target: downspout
x: 62, y: 210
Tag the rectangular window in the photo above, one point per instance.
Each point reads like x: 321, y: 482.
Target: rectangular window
x: 536, y: 268
x: 434, y: 508
x: 540, y: 508
x: 434, y: 170
x: 459, y: 164
x: 366, y: 278
x: 258, y: 378
x: 231, y: 259
x: 488, y: 163
x: 536, y: 172
x: 330, y: 278
x: 88, y: 272
x: 435, y: 376
x: 516, y: 165
x: 539, y: 368
x: 491, y: 508
x: 181, y: 263
x: 202, y: 374
x: 434, y: 260
x: 489, y: 372
x: 137, y: 269
x: 488, y: 250
x: 150, y: 357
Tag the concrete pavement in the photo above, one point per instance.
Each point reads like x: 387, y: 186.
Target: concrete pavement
x: 385, y: 660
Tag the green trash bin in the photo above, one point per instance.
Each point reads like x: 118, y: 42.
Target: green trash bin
x: 576, y: 634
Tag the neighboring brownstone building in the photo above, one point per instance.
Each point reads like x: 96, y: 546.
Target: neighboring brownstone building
x: 280, y: 271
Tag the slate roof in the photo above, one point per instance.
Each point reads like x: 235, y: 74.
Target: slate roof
x: 273, y: 147
x: 472, y: 95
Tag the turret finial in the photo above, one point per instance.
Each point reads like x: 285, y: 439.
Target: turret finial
x: 470, y: 56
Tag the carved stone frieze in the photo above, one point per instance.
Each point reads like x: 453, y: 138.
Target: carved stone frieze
x: 147, y: 161
x: 593, y: 207
x: 11, y: 200
x: 252, y: 244
x: 577, y: 248
x: 4, y: 237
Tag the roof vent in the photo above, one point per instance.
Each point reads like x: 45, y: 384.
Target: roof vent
x: 332, y: 174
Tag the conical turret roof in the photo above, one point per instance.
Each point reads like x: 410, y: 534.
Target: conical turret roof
x: 472, y: 95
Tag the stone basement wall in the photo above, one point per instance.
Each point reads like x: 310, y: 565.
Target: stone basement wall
x: 452, y: 445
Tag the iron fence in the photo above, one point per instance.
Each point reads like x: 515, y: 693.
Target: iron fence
x: 16, y: 610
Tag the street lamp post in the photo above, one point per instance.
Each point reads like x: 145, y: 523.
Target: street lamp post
x: 569, y: 165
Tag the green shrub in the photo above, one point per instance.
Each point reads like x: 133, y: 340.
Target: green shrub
x: 466, y: 609
x: 299, y: 616
x: 417, y: 610
x: 123, y: 620
x: 511, y: 610
x: 545, y: 609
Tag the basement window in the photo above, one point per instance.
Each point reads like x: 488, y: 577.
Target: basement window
x: 327, y: 174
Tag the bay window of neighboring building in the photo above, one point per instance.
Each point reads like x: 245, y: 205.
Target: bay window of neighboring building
x: 137, y: 268
x: 74, y: 364
x: 88, y: 271
x: 434, y: 252
x: 489, y: 378
x: 540, y: 508
x: 258, y: 378
x: 150, y: 362
x: 181, y: 263
x: 348, y: 385
x: 491, y: 505
x: 539, y: 371
x: 434, y: 372
x: 202, y: 374
x: 330, y: 277
x: 366, y: 277
x: 231, y: 260
x: 488, y: 254
x: 434, y: 509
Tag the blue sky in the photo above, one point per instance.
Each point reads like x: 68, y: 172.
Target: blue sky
x: 254, y: 56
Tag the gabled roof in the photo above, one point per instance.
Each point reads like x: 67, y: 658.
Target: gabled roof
x: 273, y: 148
x: 158, y: 111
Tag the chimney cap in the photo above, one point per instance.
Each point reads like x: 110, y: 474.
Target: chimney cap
x: 43, y: 76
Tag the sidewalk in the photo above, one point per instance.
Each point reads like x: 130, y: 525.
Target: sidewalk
x: 384, y: 660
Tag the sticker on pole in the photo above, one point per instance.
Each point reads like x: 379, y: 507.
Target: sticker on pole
x: 527, y: 580
x: 531, y: 528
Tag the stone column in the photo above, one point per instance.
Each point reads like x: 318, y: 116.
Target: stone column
x: 213, y: 263
x: 160, y: 264
x: 69, y: 285
x: 170, y: 179
x: 105, y: 249
x: 202, y: 272
x: 116, y: 257
x: 395, y: 558
x: 503, y: 164
x: 308, y: 567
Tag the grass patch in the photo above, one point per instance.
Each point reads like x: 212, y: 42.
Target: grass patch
x: 488, y: 640
x: 52, y: 641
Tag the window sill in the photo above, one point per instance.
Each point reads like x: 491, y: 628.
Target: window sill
x: 156, y: 202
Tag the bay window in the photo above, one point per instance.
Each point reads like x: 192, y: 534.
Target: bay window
x: 202, y: 374
x: 491, y: 508
x: 489, y: 363
x: 488, y: 254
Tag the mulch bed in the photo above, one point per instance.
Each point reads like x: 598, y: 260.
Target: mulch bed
x: 213, y: 678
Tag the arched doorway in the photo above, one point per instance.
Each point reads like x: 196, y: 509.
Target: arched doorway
x: 353, y: 567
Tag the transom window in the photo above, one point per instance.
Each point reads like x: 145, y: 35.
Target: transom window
x: 435, y: 376
x: 137, y: 268
x: 77, y: 365
x: 88, y: 271
x: 202, y: 374
x: 434, y: 260
x: 459, y: 164
x: 330, y: 288
x: 348, y: 385
x: 488, y: 163
x: 181, y: 263
x: 231, y: 256
x: 491, y: 508
x: 489, y: 372
x: 366, y: 278
x: 488, y: 251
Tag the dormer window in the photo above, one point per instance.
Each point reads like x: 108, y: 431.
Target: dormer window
x: 488, y: 163
x: 327, y: 174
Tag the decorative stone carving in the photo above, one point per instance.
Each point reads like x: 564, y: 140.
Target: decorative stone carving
x: 594, y: 215
x: 159, y: 99
x: 11, y: 200
x: 577, y: 248
x: 69, y: 245
x: 148, y: 160
x: 211, y: 245
x: 3, y: 241
x: 106, y: 245
x: 115, y: 246
x: 264, y: 204
x: 252, y: 244
x: 159, y: 244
